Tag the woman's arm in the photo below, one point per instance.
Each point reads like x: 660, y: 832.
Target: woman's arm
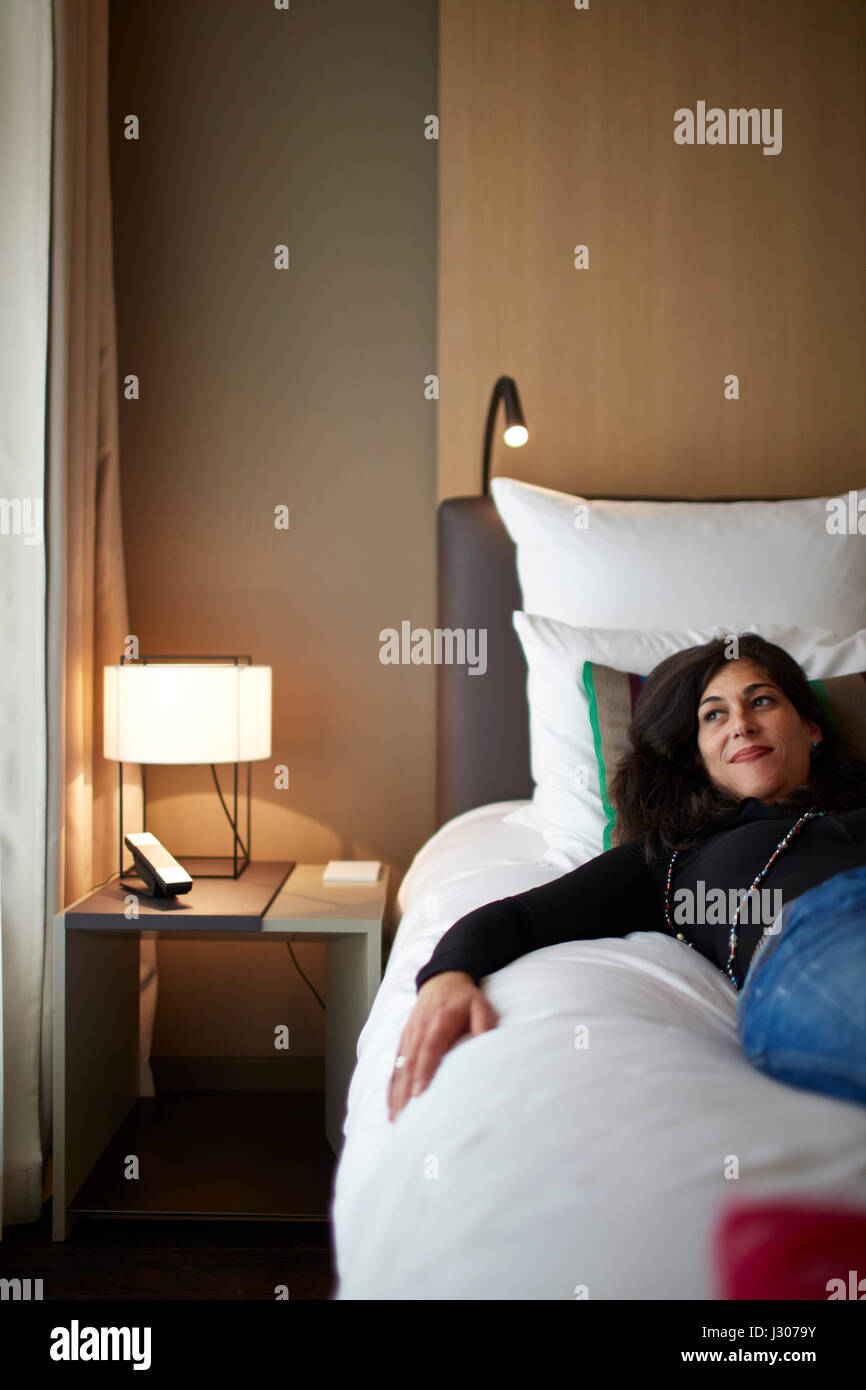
x: 612, y: 895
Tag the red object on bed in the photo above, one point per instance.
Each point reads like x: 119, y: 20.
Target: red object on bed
x: 791, y: 1249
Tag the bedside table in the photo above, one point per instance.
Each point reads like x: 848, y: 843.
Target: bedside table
x: 209, y: 1155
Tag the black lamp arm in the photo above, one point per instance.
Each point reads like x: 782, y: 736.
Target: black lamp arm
x: 505, y: 390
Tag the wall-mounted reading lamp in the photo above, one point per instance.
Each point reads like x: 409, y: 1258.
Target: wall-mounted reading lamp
x: 515, y: 433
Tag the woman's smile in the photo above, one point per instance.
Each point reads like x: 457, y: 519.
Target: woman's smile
x: 756, y: 750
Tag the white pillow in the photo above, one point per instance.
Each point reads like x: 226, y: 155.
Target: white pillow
x: 567, y: 796
x: 667, y: 565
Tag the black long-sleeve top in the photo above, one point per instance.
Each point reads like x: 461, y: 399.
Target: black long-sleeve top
x: 618, y: 892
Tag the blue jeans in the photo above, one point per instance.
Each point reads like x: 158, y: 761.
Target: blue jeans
x: 801, y: 1013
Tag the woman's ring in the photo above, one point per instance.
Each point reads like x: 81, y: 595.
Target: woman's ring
x: 400, y: 1062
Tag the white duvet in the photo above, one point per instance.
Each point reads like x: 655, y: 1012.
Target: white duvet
x: 535, y: 1167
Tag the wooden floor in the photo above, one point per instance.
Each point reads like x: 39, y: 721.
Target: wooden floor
x: 252, y: 1153
x: 172, y: 1259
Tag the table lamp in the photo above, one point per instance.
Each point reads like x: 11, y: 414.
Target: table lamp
x: 189, y: 710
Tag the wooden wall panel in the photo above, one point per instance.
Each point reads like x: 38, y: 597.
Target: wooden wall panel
x: 557, y: 128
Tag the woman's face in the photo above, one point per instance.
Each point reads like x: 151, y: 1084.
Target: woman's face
x: 751, y: 739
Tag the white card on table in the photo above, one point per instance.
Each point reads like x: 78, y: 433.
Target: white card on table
x: 352, y: 871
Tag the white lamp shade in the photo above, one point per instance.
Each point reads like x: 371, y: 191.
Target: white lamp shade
x: 187, y: 713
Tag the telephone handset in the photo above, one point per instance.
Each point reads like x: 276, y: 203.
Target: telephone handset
x: 162, y: 875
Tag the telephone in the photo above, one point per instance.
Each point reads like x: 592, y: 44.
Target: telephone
x: 162, y: 875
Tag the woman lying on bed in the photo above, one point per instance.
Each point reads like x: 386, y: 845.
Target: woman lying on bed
x: 735, y: 781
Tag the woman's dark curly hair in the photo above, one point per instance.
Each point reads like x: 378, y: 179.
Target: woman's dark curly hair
x: 662, y: 792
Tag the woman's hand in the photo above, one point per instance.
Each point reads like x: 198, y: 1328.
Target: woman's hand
x: 448, y: 1005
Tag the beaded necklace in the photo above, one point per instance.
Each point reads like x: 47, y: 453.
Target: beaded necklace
x: 732, y: 941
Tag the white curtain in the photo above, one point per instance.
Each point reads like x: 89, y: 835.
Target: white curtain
x: 25, y: 200
x: 64, y: 612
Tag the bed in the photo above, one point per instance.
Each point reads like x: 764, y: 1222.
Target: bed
x: 535, y: 1166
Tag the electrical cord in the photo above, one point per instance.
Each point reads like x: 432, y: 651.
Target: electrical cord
x: 303, y: 977
x: 97, y: 886
x: 130, y: 887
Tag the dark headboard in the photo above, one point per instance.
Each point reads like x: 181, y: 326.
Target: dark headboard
x: 482, y: 729
x: 482, y: 721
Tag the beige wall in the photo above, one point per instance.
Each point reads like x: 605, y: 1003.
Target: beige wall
x: 262, y: 387
x: 557, y: 130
